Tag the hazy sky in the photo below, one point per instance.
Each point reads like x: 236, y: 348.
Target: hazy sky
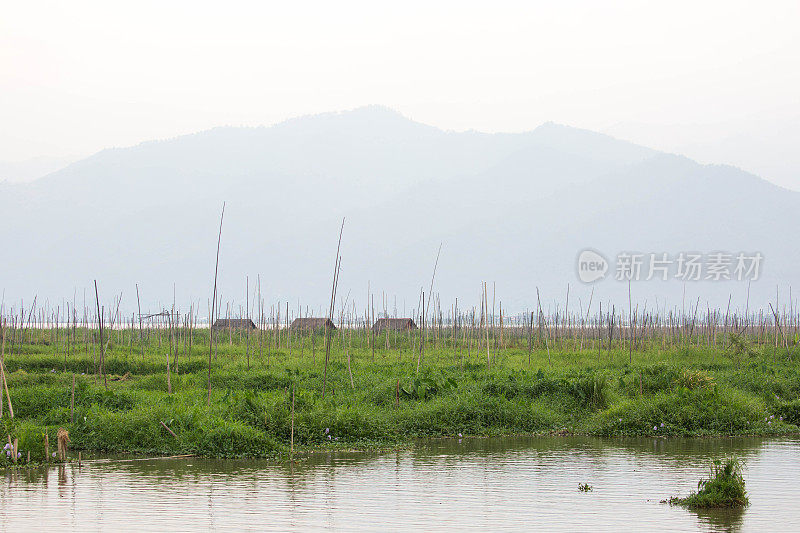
x: 76, y: 76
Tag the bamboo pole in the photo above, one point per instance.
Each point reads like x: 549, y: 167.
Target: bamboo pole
x: 336, y: 266
x: 100, y: 327
x: 213, y: 305
x: 3, y: 370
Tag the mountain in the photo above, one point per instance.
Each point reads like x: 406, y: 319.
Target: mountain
x: 510, y: 209
x: 31, y: 169
x: 766, y: 146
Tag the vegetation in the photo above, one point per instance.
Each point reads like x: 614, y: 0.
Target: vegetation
x: 144, y: 387
x: 723, y: 488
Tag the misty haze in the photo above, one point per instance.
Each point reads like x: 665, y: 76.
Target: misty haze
x: 511, y: 209
x: 416, y: 266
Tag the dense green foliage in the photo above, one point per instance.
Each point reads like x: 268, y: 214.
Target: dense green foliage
x: 380, y: 398
x: 723, y: 488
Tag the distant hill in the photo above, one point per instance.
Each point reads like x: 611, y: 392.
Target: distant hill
x: 31, y: 169
x: 514, y: 209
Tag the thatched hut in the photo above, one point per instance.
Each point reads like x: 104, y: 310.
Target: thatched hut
x: 393, y: 324
x: 312, y: 324
x: 233, y: 323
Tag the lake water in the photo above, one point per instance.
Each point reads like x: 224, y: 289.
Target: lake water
x: 471, y: 484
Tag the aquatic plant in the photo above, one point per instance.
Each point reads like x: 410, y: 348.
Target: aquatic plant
x: 723, y: 488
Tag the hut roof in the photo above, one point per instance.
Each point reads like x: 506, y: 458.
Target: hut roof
x: 234, y: 323
x: 312, y: 323
x: 396, y: 324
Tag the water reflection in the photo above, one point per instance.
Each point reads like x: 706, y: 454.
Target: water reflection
x: 509, y: 483
x: 721, y: 519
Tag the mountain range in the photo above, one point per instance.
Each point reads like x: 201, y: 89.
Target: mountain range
x: 513, y: 210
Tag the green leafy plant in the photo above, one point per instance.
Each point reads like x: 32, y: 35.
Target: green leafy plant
x: 591, y: 391
x: 723, y: 488
x: 738, y: 349
x: 696, y: 379
x: 422, y: 388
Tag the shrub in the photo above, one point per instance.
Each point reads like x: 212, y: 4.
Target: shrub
x: 682, y: 412
x: 790, y: 411
x: 695, y: 379
x: 223, y: 438
x: 723, y: 488
x: 591, y: 391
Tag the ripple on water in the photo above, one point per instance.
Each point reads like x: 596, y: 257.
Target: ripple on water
x: 477, y: 484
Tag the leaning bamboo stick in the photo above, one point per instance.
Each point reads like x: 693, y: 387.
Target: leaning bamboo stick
x: 213, y: 306
x: 3, y: 370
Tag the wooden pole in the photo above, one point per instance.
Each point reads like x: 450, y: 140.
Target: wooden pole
x: 3, y: 369
x: 336, y: 267
x: 291, y: 438
x: 100, y: 326
x: 213, y: 306
x: 486, y: 323
x: 72, y: 402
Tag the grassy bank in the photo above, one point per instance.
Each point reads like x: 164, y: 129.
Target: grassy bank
x: 376, y: 396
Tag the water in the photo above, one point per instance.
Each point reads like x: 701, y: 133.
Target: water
x: 474, y: 484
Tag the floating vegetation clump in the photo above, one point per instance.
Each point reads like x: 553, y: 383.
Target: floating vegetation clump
x: 723, y: 489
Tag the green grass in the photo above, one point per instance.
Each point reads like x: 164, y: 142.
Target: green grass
x: 680, y: 391
x: 724, y: 488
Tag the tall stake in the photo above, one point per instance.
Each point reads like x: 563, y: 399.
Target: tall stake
x: 547, y: 327
x: 530, y: 339
x: 100, y: 326
x: 213, y: 306
x: 426, y: 309
x: 291, y: 438
x: 141, y: 333
x: 247, y: 311
x: 336, y: 266
x: 2, y: 368
x: 486, y: 323
x: 630, y: 325
x: 72, y: 402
